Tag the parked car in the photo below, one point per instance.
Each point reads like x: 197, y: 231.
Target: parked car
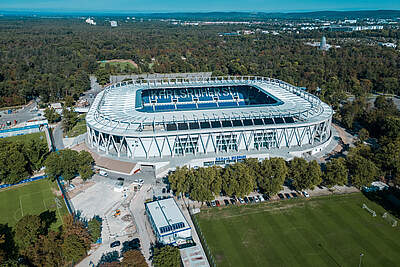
x: 213, y: 203
x: 251, y: 199
x: 164, y: 190
x: 266, y: 197
x: 305, y: 194
x: 294, y: 194
x: 103, y: 173
x: 115, y: 244
x: 246, y: 200
x: 287, y: 195
x: 256, y: 199
x: 217, y: 203
x: 226, y: 202
x: 208, y: 204
x: 281, y: 196
x: 260, y: 197
x: 233, y: 201
x: 241, y: 200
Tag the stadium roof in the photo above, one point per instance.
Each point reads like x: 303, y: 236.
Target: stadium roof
x: 114, y: 109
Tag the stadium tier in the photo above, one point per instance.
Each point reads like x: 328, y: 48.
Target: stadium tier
x: 168, y: 118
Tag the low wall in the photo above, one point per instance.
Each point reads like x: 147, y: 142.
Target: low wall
x: 70, y: 142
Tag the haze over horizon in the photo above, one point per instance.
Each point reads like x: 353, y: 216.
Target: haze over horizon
x: 123, y: 6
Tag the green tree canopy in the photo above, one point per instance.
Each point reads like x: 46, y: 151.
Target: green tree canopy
x: 166, y: 257
x: 273, y: 174
x: 336, y: 172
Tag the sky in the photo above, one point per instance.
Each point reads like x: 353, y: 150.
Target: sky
x: 197, y: 5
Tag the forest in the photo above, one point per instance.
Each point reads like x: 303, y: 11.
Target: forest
x: 53, y: 58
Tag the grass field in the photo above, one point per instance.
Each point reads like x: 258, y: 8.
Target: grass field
x: 35, y: 136
x: 31, y: 198
x: 79, y: 128
x: 322, y: 231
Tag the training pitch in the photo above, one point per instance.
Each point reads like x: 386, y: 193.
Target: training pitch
x: 321, y: 231
x: 31, y: 198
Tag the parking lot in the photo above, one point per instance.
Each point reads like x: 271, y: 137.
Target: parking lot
x: 285, y: 194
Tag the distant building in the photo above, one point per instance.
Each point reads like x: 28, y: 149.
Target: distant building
x: 323, y: 45
x: 90, y: 21
x: 350, y: 21
x: 391, y: 45
x: 168, y: 223
x: 113, y: 23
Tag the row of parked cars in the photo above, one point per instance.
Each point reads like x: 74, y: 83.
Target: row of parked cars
x: 254, y: 199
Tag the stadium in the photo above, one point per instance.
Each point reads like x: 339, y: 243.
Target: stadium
x: 203, y: 121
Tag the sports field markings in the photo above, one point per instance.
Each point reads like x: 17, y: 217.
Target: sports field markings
x: 20, y: 206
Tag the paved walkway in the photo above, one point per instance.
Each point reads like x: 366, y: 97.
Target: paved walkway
x: 143, y: 228
x: 108, y: 163
x: 194, y: 257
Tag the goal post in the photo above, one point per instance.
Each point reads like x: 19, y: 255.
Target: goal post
x: 389, y: 218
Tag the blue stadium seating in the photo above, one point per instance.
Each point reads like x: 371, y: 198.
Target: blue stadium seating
x: 164, y: 107
x: 227, y: 104
x: 186, y: 106
x: 225, y: 97
x: 148, y: 108
x: 185, y: 99
x: 205, y: 98
x: 164, y: 100
x: 207, y: 105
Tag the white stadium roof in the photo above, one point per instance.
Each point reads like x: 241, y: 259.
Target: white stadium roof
x: 114, y: 109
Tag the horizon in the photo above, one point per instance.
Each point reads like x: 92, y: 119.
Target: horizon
x: 181, y: 6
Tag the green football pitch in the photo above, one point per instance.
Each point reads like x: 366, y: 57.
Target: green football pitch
x: 320, y: 231
x: 31, y: 198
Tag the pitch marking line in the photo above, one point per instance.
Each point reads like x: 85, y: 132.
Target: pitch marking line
x: 20, y: 204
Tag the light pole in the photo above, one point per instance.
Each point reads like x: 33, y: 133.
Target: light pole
x: 361, y: 255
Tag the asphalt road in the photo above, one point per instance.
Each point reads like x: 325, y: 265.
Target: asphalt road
x: 21, y: 115
x: 58, y: 136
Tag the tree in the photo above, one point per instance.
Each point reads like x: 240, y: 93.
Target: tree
x: 362, y: 171
x: 51, y: 115
x: 69, y: 101
x: 206, y: 183
x: 73, y: 248
x: 363, y: 135
x: 27, y: 231
x: 133, y: 258
x: 298, y: 173
x: 272, y: 175
x: 336, y: 172
x: 76, y: 239
x: 180, y: 180
x: 68, y: 163
x: 94, y: 228
x: 304, y: 175
x: 166, y: 257
x: 238, y: 180
x: 70, y: 118
x: 46, y: 251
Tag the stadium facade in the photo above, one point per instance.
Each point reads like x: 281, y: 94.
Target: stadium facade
x: 203, y: 118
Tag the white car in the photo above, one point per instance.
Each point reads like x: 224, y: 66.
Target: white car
x: 241, y: 200
x: 141, y: 181
x: 103, y: 173
x: 256, y: 199
x: 306, y: 194
x: 260, y: 197
x: 213, y: 203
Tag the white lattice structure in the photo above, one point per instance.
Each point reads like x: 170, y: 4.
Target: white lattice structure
x: 121, y: 123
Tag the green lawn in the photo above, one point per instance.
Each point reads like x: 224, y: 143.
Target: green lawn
x: 30, y: 198
x: 321, y: 231
x: 79, y: 128
x: 35, y: 136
